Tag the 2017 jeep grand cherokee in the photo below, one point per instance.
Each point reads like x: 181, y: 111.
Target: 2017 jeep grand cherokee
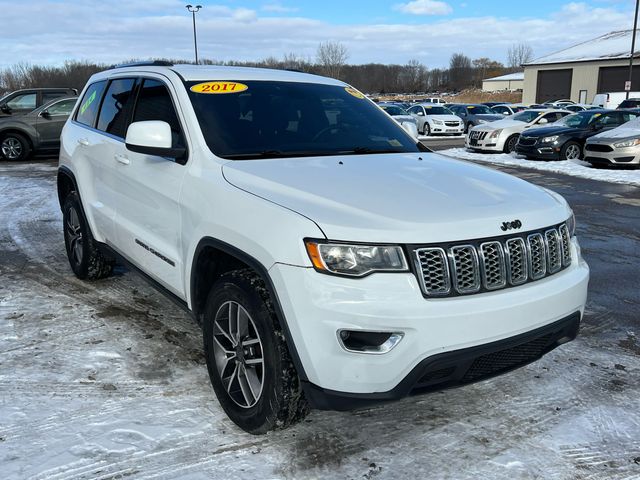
x: 330, y: 259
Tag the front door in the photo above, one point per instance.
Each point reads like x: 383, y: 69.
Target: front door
x: 148, y: 219
x: 51, y: 120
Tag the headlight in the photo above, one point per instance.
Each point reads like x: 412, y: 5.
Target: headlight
x: 551, y: 139
x: 495, y: 133
x: 571, y: 224
x: 355, y: 260
x: 627, y: 143
x: 437, y: 122
x: 481, y: 121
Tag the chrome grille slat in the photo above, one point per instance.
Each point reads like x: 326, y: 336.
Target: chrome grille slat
x: 492, y: 264
x: 465, y: 268
x: 518, y: 265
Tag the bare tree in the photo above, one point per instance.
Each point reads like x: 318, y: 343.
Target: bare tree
x: 331, y: 57
x: 460, y: 71
x: 518, y: 54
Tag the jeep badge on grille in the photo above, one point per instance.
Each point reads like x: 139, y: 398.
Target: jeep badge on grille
x: 511, y: 225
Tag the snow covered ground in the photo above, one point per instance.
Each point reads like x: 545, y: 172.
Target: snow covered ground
x: 576, y: 168
x: 106, y: 380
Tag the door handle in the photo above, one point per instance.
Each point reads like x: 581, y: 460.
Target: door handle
x: 122, y: 159
x: 84, y: 142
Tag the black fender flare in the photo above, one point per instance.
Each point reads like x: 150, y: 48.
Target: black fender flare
x: 65, y: 172
x: 264, y: 273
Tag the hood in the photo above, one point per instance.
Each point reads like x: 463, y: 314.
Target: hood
x: 403, y: 118
x: 398, y: 198
x: 489, y: 117
x: 504, y: 123
x: 551, y: 130
x: 446, y: 118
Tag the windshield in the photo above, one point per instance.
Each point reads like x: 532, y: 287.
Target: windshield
x: 437, y: 110
x: 480, y: 110
x: 271, y: 119
x: 578, y: 120
x: 526, y: 116
x: 393, y: 110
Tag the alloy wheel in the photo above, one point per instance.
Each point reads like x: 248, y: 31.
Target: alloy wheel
x: 74, y: 236
x: 572, y: 152
x: 11, y: 148
x: 238, y: 354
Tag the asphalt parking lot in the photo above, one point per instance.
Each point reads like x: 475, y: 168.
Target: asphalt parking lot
x: 107, y: 379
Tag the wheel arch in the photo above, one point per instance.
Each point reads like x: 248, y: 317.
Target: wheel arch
x: 66, y: 183
x: 22, y: 132
x: 211, y: 259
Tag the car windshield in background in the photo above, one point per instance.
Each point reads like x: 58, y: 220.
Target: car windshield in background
x: 526, y: 116
x: 393, y: 110
x: 578, y: 120
x: 271, y: 119
x: 480, y: 110
x: 438, y: 111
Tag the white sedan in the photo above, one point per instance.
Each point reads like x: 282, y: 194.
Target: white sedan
x: 436, y: 119
x: 502, y: 135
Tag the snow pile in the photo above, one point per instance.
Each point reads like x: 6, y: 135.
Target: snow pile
x: 576, y: 168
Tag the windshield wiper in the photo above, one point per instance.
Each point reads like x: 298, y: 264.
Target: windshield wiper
x: 366, y: 150
x: 275, y: 154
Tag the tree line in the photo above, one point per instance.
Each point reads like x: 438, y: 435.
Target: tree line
x: 331, y: 60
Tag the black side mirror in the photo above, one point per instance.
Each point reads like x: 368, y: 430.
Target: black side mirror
x: 45, y: 114
x: 5, y: 108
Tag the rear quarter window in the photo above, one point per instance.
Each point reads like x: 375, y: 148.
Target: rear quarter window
x: 88, y: 109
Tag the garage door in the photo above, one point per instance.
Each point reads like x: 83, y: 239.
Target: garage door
x: 611, y: 79
x: 554, y: 85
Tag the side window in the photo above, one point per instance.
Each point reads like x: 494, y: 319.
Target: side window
x: 90, y: 103
x: 63, y: 107
x: 116, y: 107
x: 23, y: 102
x: 551, y: 117
x: 154, y: 103
x: 627, y: 116
x: 48, y: 96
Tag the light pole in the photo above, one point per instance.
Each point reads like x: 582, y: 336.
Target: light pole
x: 193, y: 11
x: 633, y: 47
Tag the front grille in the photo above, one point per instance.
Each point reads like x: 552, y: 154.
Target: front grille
x: 452, y: 124
x: 527, y: 141
x: 492, y: 264
x: 477, y: 135
x: 596, y: 147
x: 503, y: 360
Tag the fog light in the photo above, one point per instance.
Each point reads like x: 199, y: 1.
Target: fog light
x: 360, y: 341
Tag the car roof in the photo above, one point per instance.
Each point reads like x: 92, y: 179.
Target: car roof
x: 191, y: 73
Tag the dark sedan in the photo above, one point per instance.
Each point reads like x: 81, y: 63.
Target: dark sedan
x: 38, y: 130
x: 565, y: 139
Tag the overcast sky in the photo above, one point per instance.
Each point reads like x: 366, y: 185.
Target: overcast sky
x: 50, y: 32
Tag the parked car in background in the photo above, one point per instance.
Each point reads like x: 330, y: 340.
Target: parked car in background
x: 27, y: 100
x: 565, y: 139
x: 502, y: 135
x: 434, y: 100
x: 473, y: 115
x: 436, y: 120
x: 580, y: 107
x: 612, y: 99
x: 629, y: 103
x: 558, y: 103
x: 492, y: 104
x: 38, y: 130
x: 400, y: 115
x: 507, y: 109
x: 620, y: 146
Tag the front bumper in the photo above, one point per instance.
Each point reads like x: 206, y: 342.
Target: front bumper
x: 619, y: 156
x: 318, y: 306
x: 483, y: 142
x: 446, y: 129
x: 541, y: 151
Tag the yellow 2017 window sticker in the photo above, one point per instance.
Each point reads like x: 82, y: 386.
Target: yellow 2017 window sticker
x: 354, y: 92
x: 219, y: 87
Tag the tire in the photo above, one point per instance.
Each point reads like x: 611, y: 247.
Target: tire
x: 269, y: 396
x: 510, y: 143
x: 426, y: 130
x: 571, y: 151
x: 15, y: 147
x: 85, y: 259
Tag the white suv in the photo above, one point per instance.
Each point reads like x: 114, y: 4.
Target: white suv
x: 331, y: 260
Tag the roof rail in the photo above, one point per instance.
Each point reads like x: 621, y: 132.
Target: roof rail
x: 150, y: 63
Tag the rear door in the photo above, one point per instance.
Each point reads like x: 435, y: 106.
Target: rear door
x: 148, y: 220
x: 49, y: 122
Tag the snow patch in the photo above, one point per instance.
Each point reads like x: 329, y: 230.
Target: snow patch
x: 576, y: 168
